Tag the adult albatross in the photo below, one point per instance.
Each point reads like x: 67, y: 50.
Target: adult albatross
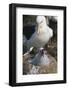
x: 42, y: 34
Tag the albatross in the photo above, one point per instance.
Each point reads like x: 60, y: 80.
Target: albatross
x: 42, y: 34
x: 40, y: 58
x: 43, y: 63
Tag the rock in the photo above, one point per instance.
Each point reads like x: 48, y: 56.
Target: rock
x: 26, y: 66
x: 39, y: 69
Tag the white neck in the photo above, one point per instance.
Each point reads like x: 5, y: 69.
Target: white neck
x: 41, y: 27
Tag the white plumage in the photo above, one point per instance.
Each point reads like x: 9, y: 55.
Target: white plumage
x: 41, y: 35
x: 40, y: 58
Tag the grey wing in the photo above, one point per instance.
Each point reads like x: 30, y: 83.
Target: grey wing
x: 33, y: 41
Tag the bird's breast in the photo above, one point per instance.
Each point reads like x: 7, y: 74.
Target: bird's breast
x: 43, y: 37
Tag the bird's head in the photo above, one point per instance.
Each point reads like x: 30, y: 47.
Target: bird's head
x: 42, y: 51
x: 40, y: 19
x: 41, y: 23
